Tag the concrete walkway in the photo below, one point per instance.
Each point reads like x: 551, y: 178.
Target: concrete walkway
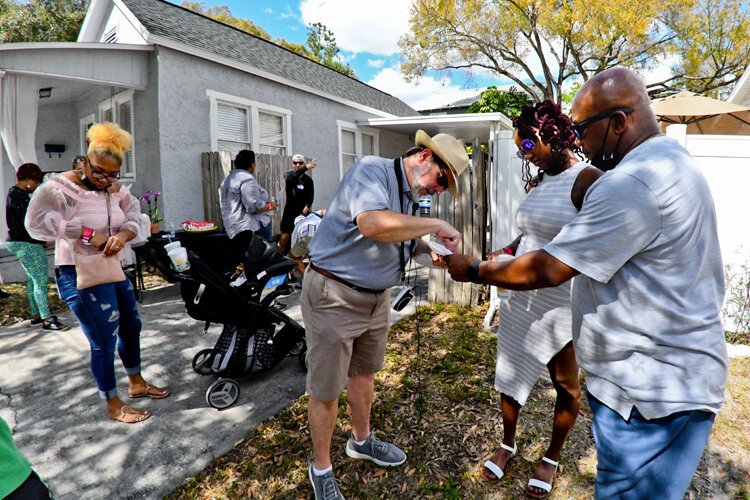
x: 49, y: 399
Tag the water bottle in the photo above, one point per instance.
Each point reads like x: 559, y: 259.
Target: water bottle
x: 172, y: 234
x: 272, y: 200
x: 424, y: 206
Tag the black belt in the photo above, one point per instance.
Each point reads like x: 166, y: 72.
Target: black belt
x: 343, y: 281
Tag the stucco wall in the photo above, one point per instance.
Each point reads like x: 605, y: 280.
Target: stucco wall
x: 185, y: 127
x: 57, y: 124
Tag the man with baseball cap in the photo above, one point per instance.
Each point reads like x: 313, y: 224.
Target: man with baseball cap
x: 358, y: 253
x: 300, y: 192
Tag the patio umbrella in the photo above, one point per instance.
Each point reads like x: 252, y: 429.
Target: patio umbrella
x: 703, y: 115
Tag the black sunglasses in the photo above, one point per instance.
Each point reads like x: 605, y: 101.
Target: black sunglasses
x: 579, y: 127
x: 97, y: 174
x: 526, y: 147
x: 298, y: 163
x: 442, y: 179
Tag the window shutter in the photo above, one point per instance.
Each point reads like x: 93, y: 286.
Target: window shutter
x: 125, y: 121
x: 233, y: 124
x: 348, y: 139
x: 271, y: 133
x: 368, y: 144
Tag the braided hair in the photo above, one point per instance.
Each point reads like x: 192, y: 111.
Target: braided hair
x: 546, y: 121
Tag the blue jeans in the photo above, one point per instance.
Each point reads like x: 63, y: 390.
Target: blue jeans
x: 265, y: 232
x: 106, y: 312
x: 639, y: 458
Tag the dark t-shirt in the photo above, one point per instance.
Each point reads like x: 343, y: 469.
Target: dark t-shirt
x: 15, y: 212
x: 300, y: 192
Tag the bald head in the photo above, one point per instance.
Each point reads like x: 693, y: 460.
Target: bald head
x: 613, y: 88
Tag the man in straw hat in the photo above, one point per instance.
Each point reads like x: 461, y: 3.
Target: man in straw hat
x: 647, y: 295
x: 358, y: 253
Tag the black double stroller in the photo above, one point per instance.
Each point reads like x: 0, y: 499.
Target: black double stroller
x: 256, y: 335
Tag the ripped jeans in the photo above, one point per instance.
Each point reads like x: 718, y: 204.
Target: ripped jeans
x: 108, y: 316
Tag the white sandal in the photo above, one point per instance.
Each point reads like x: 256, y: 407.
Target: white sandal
x: 493, y: 467
x: 538, y: 483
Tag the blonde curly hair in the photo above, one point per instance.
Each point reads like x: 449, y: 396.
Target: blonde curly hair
x: 108, y: 139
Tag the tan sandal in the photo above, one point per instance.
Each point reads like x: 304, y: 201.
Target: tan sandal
x: 151, y: 391
x: 130, y: 415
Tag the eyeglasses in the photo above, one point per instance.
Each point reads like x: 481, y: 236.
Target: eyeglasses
x: 527, y: 146
x: 579, y: 127
x: 442, y: 179
x: 96, y: 172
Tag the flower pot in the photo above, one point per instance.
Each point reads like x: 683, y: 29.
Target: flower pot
x: 154, y: 227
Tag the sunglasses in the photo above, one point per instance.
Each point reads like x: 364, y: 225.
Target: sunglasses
x: 527, y: 146
x: 442, y: 179
x: 298, y: 163
x: 96, y: 172
x: 578, y: 128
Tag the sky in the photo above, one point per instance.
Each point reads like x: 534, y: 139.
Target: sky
x: 367, y: 33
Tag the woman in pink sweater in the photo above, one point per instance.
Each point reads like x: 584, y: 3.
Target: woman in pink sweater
x: 88, y: 211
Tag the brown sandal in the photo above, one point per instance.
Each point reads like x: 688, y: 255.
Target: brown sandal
x: 151, y: 391
x: 130, y: 415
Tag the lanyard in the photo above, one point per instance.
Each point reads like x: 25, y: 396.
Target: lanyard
x: 414, y: 206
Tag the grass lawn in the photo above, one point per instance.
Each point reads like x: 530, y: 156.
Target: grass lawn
x: 435, y: 400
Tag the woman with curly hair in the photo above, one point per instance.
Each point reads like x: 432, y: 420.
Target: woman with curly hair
x: 535, y: 331
x: 31, y: 253
x: 88, y: 212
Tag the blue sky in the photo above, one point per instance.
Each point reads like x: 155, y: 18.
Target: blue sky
x: 367, y: 33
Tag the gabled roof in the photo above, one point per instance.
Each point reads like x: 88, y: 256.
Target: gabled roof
x: 741, y: 92
x: 177, y: 24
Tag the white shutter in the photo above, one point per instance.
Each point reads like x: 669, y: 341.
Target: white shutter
x: 125, y: 121
x: 348, y: 142
x: 368, y: 144
x: 233, y: 124
x: 271, y: 134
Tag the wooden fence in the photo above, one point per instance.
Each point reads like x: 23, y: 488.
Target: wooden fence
x: 468, y: 214
x: 269, y: 172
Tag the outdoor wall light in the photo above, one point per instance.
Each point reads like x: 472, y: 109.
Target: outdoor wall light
x: 54, y: 148
x: 46, y: 92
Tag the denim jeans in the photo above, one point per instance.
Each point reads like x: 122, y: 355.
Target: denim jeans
x: 106, y: 312
x: 639, y: 458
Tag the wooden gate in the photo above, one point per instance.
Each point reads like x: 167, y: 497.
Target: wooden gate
x: 269, y: 173
x: 468, y: 214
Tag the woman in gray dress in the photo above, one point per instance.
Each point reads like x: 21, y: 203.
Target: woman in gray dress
x: 535, y: 330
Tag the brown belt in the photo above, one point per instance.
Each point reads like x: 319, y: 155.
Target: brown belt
x: 343, y: 281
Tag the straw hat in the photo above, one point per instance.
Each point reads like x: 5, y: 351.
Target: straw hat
x: 448, y: 149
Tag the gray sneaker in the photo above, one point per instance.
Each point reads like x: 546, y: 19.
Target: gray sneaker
x: 373, y: 449
x: 325, y: 487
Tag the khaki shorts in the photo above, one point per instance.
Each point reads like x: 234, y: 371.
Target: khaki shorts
x: 346, y: 333
x: 300, y: 249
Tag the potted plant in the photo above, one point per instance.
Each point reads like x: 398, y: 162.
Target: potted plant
x: 152, y: 199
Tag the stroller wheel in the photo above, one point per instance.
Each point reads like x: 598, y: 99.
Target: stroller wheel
x: 201, y: 362
x: 298, y: 348
x: 223, y: 393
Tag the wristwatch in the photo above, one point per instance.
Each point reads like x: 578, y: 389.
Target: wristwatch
x: 88, y: 233
x: 473, y: 271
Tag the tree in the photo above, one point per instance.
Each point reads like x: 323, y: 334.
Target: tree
x: 41, y: 20
x: 321, y: 43
x: 508, y: 102
x: 545, y: 45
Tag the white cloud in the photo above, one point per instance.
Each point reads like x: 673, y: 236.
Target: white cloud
x: 288, y: 14
x: 373, y: 27
x: 268, y: 10
x: 414, y: 94
x: 375, y: 63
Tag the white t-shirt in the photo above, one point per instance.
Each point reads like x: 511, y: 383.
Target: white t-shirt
x: 646, y: 310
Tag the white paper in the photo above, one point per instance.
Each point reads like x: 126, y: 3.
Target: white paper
x: 438, y: 248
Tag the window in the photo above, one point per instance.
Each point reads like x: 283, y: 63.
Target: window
x: 348, y: 148
x: 84, y: 125
x: 119, y: 109
x: 233, y: 129
x: 238, y: 124
x: 354, y: 143
x: 271, y: 134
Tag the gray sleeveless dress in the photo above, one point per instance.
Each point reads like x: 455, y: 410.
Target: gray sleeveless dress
x: 536, y: 325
